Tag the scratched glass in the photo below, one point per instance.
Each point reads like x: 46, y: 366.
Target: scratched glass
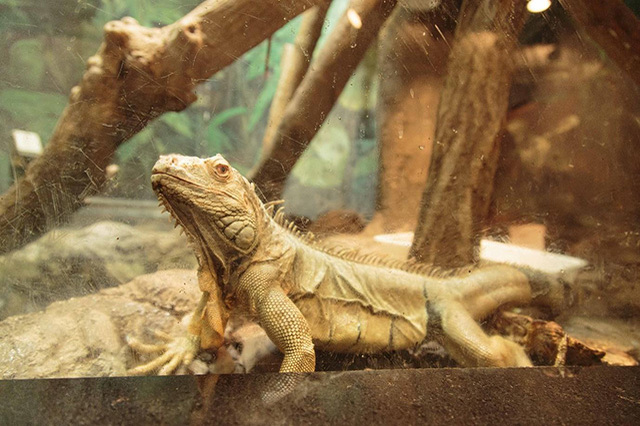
x: 460, y: 183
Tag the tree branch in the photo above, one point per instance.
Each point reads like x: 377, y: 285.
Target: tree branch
x: 472, y: 108
x: 294, y: 65
x: 335, y: 63
x: 137, y: 74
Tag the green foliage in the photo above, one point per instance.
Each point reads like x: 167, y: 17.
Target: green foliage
x: 179, y: 123
x: 266, y: 68
x: 261, y: 107
x: 30, y: 110
x: 322, y: 164
x: 128, y: 151
x: 48, y: 17
x: 362, y: 88
x: 217, y: 138
x: 367, y: 163
x: 26, y: 103
x: 5, y: 171
x: 26, y: 66
x: 150, y: 13
x: 256, y: 59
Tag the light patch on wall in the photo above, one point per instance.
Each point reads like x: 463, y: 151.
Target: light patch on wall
x: 354, y: 18
x: 538, y: 6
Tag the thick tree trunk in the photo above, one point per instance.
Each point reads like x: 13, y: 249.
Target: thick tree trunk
x: 614, y: 27
x: 335, y: 63
x: 412, y: 59
x: 471, y: 111
x: 137, y: 74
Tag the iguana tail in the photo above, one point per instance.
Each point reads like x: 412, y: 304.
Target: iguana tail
x: 486, y: 289
x: 551, y: 290
x: 482, y: 292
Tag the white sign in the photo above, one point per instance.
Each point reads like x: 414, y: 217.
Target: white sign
x: 27, y: 144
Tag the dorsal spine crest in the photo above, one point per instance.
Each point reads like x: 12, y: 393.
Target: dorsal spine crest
x: 352, y: 254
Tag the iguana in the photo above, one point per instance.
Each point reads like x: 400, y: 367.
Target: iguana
x: 306, y: 296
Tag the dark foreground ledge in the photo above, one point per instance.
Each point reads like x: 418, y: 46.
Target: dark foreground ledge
x: 587, y: 395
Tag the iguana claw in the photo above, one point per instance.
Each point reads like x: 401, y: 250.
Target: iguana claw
x: 176, y: 353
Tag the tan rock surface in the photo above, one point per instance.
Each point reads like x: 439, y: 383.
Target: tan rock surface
x: 86, y: 336
x: 75, y: 262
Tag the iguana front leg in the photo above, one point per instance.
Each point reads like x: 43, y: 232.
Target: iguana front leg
x: 205, y: 331
x: 279, y: 317
x: 175, y: 351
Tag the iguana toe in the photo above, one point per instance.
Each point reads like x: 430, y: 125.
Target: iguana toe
x: 176, y: 353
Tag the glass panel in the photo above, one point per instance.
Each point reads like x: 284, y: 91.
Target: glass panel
x: 469, y: 170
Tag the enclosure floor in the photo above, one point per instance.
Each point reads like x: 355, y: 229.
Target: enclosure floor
x: 591, y: 395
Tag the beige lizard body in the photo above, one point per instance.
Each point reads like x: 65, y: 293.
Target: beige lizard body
x: 305, y: 296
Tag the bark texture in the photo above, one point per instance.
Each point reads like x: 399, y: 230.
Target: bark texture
x: 412, y: 57
x: 335, y: 63
x: 614, y: 27
x: 137, y: 74
x: 472, y: 109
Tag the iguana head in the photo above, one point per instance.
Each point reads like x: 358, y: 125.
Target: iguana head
x: 212, y: 201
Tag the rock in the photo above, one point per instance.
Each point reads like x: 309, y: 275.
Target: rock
x: 74, y: 262
x: 86, y: 336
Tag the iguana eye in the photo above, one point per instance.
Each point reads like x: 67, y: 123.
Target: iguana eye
x: 220, y: 170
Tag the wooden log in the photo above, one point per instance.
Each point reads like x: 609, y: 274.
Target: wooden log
x: 614, y: 27
x: 546, y: 342
x: 335, y: 63
x: 412, y: 58
x: 137, y: 74
x: 472, y: 109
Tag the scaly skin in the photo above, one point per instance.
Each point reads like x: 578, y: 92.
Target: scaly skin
x: 305, y: 296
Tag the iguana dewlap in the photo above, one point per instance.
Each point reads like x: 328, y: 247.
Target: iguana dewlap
x: 305, y: 296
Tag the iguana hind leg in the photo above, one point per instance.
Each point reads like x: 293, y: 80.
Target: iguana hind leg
x: 470, y: 346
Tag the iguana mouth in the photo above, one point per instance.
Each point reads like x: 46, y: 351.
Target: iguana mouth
x: 178, y: 221
x: 157, y: 177
x: 180, y: 216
